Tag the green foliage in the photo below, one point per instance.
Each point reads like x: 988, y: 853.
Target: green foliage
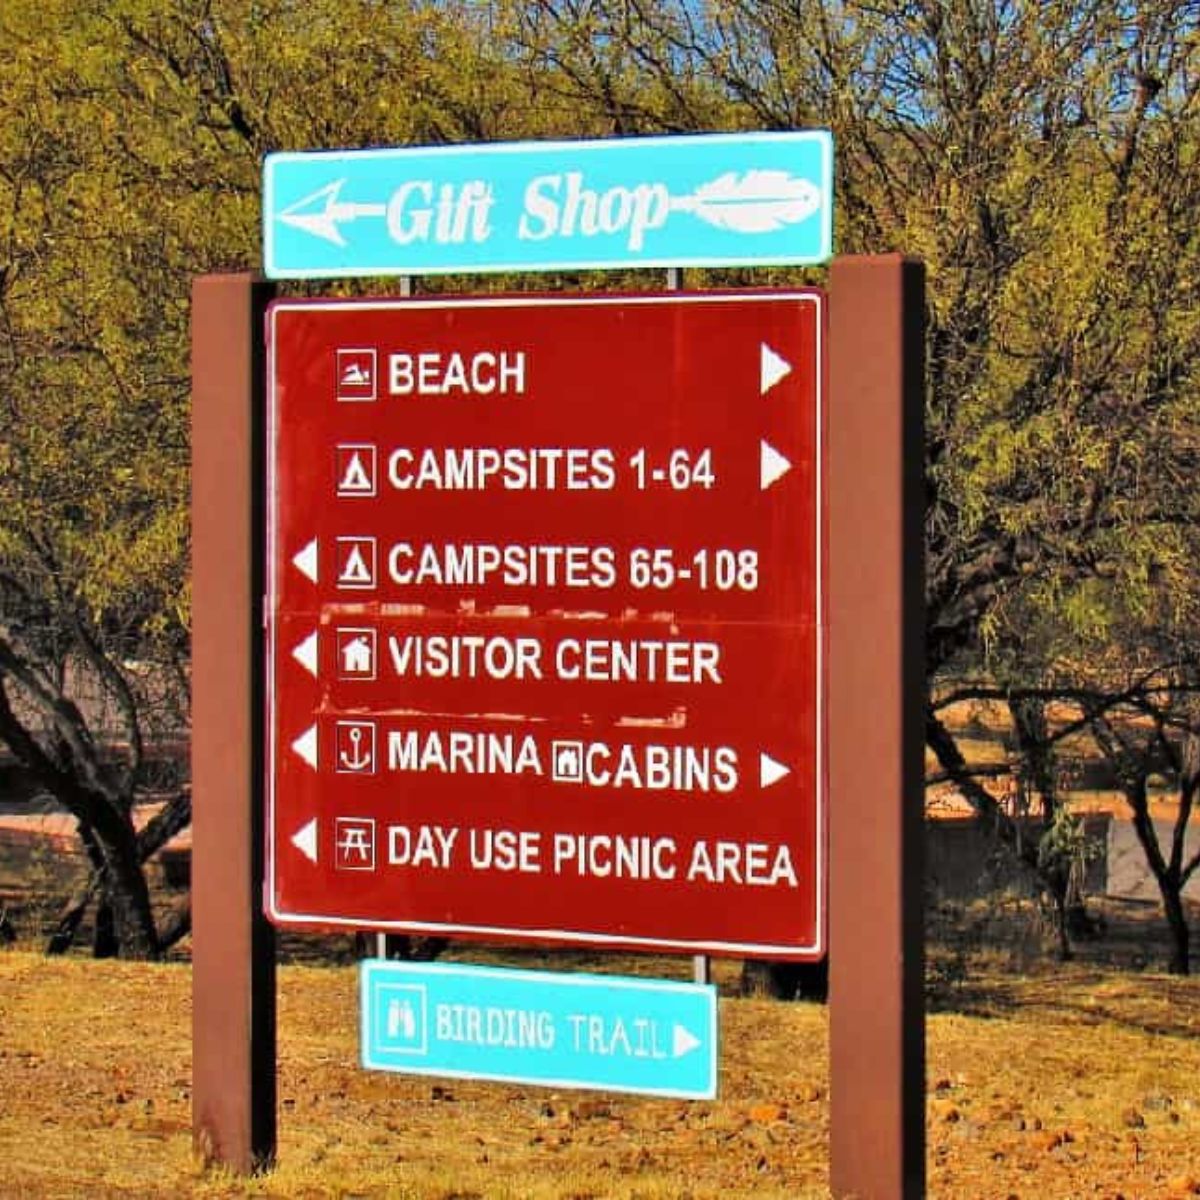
x: 1044, y: 159
x: 93, y: 419
x: 130, y: 156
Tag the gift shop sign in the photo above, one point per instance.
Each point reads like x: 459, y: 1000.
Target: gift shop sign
x: 713, y: 200
x: 544, y: 619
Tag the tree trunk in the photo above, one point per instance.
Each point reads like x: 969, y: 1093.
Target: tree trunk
x: 73, y: 911
x: 153, y: 836
x: 1061, y: 925
x: 128, y: 895
x: 1170, y: 883
x: 74, y: 776
x: 123, y: 883
x: 786, y: 980
x: 176, y: 926
x: 1179, y: 963
x: 1037, y: 774
x: 69, y: 920
x: 104, y: 935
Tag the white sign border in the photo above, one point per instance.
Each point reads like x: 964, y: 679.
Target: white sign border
x: 275, y: 565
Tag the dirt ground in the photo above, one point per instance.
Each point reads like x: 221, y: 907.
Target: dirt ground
x: 1045, y: 1081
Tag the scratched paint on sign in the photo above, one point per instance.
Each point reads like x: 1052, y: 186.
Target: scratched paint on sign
x: 545, y: 619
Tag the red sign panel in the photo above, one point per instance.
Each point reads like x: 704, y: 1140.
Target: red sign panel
x: 544, y: 619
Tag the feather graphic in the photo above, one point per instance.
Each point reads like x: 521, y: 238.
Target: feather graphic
x: 755, y: 202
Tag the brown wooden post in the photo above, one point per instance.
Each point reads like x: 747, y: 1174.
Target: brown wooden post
x: 233, y: 946
x: 876, y: 704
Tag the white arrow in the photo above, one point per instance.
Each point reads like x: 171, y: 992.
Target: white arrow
x: 306, y: 561
x: 306, y: 746
x: 772, y: 466
x: 683, y: 1041
x: 306, y: 653
x: 305, y: 840
x: 770, y: 771
x: 772, y: 368
x: 323, y: 221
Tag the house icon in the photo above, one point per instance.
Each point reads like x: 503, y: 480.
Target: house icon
x: 356, y: 653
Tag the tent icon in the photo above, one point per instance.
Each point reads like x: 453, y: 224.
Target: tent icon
x: 356, y: 558
x: 356, y: 470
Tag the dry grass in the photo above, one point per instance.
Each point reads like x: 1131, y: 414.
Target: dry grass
x: 1074, y: 1082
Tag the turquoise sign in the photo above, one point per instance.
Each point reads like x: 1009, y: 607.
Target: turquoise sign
x: 711, y: 200
x: 564, y: 1030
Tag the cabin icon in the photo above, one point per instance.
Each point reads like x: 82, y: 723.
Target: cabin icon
x: 356, y: 653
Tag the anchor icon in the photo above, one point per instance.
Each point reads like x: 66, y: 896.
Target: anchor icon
x: 355, y: 747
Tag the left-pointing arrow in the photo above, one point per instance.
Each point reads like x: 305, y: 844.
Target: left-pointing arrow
x: 305, y: 840
x: 321, y: 212
x: 306, y: 746
x: 305, y: 561
x: 306, y: 653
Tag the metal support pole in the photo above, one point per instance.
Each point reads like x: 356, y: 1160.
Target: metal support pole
x: 233, y: 946
x: 876, y: 740
x: 701, y: 963
x: 383, y: 941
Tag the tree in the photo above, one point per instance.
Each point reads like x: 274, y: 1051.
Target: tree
x: 1156, y: 732
x: 1043, y: 160
x: 93, y: 520
x: 130, y: 158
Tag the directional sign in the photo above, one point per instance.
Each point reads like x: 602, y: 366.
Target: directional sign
x: 544, y: 619
x: 711, y: 200
x: 564, y: 1030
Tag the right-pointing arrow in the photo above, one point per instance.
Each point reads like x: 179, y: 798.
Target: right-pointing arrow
x: 771, y: 369
x: 305, y: 840
x: 770, y: 771
x: 306, y: 746
x: 306, y: 561
x: 683, y: 1041
x: 771, y: 465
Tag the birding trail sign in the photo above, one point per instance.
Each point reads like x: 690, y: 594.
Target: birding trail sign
x: 703, y: 201
x: 647, y: 1036
x: 544, y: 619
